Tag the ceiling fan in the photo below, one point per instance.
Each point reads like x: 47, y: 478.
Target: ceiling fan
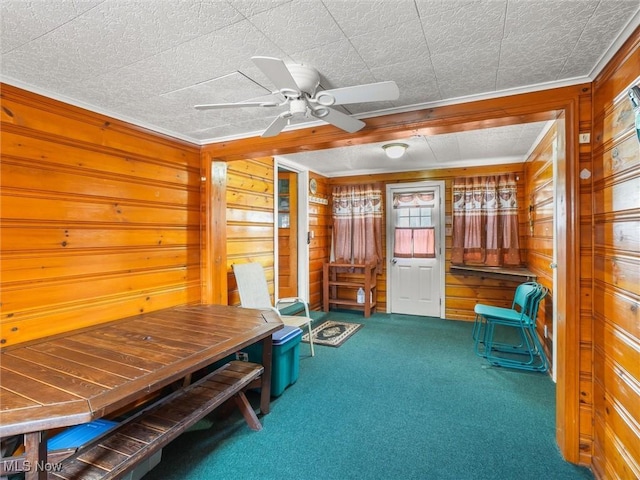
x: 298, y: 84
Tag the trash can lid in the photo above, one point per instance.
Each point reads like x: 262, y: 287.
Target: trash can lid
x: 285, y: 334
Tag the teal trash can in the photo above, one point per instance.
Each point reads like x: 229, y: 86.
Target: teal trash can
x: 285, y: 365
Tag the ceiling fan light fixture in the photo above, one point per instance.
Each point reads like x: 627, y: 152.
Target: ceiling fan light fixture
x: 395, y: 150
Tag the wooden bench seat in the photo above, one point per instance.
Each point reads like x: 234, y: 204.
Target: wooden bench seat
x: 140, y: 436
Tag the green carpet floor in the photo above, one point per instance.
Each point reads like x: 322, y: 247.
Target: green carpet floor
x: 403, y: 398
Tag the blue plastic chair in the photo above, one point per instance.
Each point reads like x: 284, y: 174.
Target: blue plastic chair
x: 528, y: 352
x: 522, y: 295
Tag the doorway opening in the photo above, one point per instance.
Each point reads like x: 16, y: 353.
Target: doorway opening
x: 287, y: 204
x: 291, y: 242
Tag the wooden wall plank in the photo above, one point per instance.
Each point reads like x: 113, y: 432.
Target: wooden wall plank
x: 21, y: 177
x: 102, y: 162
x: 32, y: 267
x: 71, y: 238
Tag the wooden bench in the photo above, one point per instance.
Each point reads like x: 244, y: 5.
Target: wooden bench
x: 120, y: 449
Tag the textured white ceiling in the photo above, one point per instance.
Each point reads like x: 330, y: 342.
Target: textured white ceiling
x: 149, y: 61
x: 497, y: 145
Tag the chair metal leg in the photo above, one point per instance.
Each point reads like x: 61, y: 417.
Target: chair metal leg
x: 512, y: 347
x: 478, y: 325
x: 478, y: 334
x: 310, y: 338
x: 535, y: 358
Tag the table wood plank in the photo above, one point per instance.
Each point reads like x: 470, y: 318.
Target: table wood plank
x: 129, y: 336
x: 103, y: 458
x: 106, y: 352
x: 190, y: 327
x: 240, y: 319
x: 128, y: 347
x: 10, y: 400
x: 82, y: 387
x: 85, y: 471
x: 94, y: 361
x: 40, y: 391
x: 82, y: 372
x: 165, y: 333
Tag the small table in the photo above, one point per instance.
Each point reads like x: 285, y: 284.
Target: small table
x: 358, y: 276
x: 516, y: 274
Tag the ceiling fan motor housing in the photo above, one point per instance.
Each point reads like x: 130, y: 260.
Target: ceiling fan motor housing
x: 307, y: 78
x: 298, y: 106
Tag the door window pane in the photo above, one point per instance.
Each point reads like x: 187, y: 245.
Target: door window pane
x: 414, y: 235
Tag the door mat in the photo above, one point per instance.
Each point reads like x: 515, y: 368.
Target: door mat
x: 331, y: 333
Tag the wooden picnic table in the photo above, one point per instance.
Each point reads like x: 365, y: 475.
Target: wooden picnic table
x: 87, y: 374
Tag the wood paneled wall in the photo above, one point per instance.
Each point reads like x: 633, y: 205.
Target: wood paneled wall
x: 585, y: 326
x: 616, y: 267
x: 539, y: 207
x: 320, y: 221
x: 462, y: 292
x: 100, y: 219
x: 250, y: 218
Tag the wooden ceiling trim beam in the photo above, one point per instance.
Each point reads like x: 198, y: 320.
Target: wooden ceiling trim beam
x: 496, y: 112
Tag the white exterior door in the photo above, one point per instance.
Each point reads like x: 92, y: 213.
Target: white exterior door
x: 415, y: 233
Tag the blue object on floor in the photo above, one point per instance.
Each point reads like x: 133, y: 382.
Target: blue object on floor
x: 79, y: 435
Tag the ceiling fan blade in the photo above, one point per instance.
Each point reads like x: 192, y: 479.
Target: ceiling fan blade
x: 276, y: 126
x: 371, y: 92
x: 342, y: 121
x: 276, y: 70
x: 213, y: 106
